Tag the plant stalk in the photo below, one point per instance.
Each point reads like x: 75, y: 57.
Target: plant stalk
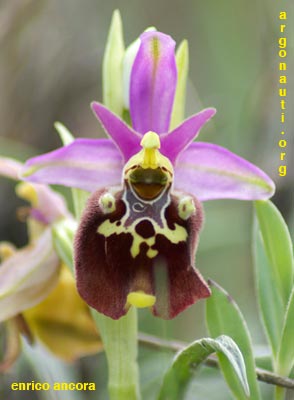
x: 120, y: 339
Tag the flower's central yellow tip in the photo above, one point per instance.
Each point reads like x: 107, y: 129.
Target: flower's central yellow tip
x: 150, y: 144
x: 140, y: 299
x: 27, y: 192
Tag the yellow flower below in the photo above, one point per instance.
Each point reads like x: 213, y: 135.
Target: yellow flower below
x: 63, y: 321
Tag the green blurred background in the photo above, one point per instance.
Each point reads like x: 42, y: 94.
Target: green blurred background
x: 50, y: 69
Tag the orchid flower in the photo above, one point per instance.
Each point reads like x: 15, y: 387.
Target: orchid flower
x: 33, y: 280
x: 138, y: 235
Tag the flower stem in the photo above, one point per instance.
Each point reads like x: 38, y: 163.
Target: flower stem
x: 120, y: 344
x: 280, y: 393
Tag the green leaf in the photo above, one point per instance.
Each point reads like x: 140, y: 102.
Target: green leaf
x: 264, y: 362
x: 285, y: 360
x: 278, y: 246
x: 269, y: 296
x: 224, y: 317
x: 263, y: 357
x: 152, y: 363
x: 179, y: 373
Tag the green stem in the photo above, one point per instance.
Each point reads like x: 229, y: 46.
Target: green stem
x: 121, y: 348
x: 280, y: 393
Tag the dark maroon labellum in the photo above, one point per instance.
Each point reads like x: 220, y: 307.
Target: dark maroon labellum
x: 126, y: 244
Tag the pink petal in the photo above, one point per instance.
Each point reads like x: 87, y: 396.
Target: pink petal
x: 127, y: 140
x: 173, y: 143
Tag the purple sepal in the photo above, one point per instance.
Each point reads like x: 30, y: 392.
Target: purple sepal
x: 210, y: 172
x: 153, y: 83
x: 85, y: 164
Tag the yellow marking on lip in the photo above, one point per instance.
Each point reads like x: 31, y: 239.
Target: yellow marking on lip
x: 140, y: 299
x: 175, y: 236
x: 151, y: 253
x: 137, y: 241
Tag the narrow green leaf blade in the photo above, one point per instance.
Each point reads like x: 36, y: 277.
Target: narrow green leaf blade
x: 178, y: 375
x: 286, y: 352
x: 278, y: 246
x: 224, y: 317
x: 269, y: 297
